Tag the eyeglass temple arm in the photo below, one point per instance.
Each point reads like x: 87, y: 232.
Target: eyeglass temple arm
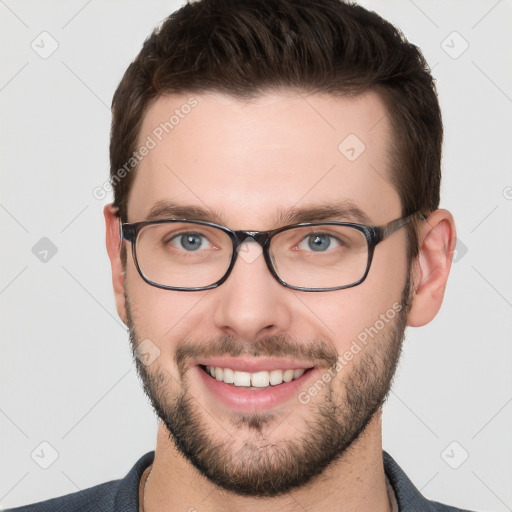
x: 125, y: 232
x: 383, y: 232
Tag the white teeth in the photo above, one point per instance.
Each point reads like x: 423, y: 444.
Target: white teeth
x: 276, y: 377
x: 260, y: 379
x: 288, y: 375
x: 298, y: 373
x: 229, y: 376
x: 242, y: 379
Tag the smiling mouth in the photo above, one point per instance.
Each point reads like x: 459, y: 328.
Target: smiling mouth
x: 255, y: 380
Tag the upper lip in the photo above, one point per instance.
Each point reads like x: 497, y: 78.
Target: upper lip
x: 252, y: 365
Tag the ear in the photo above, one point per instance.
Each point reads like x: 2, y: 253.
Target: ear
x: 113, y: 239
x: 437, y: 240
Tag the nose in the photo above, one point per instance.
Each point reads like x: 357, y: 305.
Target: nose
x: 251, y: 303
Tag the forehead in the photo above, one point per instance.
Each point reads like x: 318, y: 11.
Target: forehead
x: 249, y: 161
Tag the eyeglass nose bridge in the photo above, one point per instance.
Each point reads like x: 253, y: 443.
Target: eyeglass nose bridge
x: 262, y: 238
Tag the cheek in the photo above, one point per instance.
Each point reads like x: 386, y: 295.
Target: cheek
x: 385, y: 282
x: 158, y: 314
x: 342, y: 315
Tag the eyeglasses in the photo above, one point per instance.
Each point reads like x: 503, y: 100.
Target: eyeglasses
x: 193, y: 255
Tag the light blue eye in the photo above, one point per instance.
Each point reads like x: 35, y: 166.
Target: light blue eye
x: 319, y: 242
x: 189, y: 241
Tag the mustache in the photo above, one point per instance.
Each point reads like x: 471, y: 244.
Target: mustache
x: 318, y: 351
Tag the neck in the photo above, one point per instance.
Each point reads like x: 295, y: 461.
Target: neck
x: 355, y: 482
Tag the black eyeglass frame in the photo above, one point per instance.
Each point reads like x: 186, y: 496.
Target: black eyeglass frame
x: 373, y: 234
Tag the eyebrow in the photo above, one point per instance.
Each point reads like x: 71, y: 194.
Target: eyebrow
x: 170, y: 210
x: 340, y: 211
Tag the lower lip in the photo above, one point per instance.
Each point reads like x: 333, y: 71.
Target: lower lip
x: 252, y: 400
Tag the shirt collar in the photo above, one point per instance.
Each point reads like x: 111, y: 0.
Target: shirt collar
x: 407, y: 497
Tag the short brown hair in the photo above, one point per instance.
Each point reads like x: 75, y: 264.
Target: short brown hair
x: 245, y: 48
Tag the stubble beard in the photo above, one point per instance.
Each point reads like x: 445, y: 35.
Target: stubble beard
x: 257, y: 466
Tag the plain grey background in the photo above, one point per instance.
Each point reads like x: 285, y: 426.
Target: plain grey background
x: 71, y: 401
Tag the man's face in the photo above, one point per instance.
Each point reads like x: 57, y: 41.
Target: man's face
x: 247, y: 165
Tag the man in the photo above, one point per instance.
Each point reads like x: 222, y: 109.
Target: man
x: 275, y: 228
